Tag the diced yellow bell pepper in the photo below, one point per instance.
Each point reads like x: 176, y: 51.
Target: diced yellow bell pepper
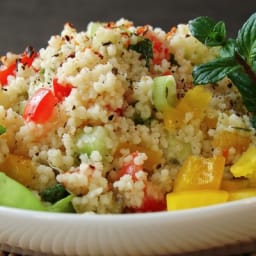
x: 19, y: 168
x: 197, y: 198
x: 200, y: 173
x: 241, y: 194
x: 245, y: 166
x: 234, y: 184
x: 195, y: 101
x: 226, y: 139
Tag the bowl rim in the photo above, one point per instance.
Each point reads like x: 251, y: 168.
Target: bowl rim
x: 177, y: 215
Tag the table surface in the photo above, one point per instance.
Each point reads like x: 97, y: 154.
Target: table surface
x: 241, y: 249
x: 32, y: 22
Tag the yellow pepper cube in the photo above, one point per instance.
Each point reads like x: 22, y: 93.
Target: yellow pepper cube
x: 225, y: 140
x: 245, y: 166
x: 200, y: 173
x: 197, y: 198
x: 19, y: 168
x: 241, y: 194
x: 234, y: 184
x: 195, y: 101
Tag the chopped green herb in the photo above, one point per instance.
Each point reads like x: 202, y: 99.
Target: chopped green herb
x: 42, y: 71
x: 54, y: 193
x: 241, y: 128
x: 137, y: 119
x: 237, y: 59
x: 2, y: 130
x: 144, y: 47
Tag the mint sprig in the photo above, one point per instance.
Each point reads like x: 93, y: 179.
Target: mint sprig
x: 214, y: 70
x: 246, y: 40
x: 208, y: 31
x: 237, y: 58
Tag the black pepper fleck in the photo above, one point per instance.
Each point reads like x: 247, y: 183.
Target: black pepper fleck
x: 92, y: 166
x: 114, y: 71
x: 67, y: 38
x: 107, y: 43
x: 110, y: 117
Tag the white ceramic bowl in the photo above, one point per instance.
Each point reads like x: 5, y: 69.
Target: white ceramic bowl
x: 129, y: 234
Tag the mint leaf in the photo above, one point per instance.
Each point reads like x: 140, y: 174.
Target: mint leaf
x: 254, y: 66
x: 246, y: 40
x: 237, y: 58
x: 2, y: 130
x: 201, y: 27
x: 246, y: 88
x: 208, y: 31
x: 144, y: 47
x: 253, y: 121
x: 214, y: 70
x: 228, y: 50
x: 217, y: 36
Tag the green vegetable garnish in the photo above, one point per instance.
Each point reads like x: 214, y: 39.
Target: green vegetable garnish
x: 54, y: 193
x: 2, y: 130
x: 42, y: 71
x: 164, y: 92
x: 95, y: 140
x: 63, y: 205
x: 208, y: 31
x: 241, y: 128
x: 14, y: 194
x: 237, y: 59
x: 144, y: 47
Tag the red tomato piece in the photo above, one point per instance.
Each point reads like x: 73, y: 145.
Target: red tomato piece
x: 61, y: 91
x: 151, y: 204
x: 118, y: 111
x: 225, y: 153
x: 130, y: 167
x: 160, y: 49
x: 28, y: 56
x: 40, y: 106
x: 142, y: 30
x: 8, y: 71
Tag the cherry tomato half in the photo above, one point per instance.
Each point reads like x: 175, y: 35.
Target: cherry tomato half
x: 40, y: 106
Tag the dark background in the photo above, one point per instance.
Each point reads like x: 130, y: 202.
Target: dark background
x: 32, y: 22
